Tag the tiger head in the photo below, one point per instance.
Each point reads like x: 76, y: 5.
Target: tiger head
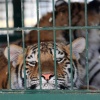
x: 40, y: 66
x: 77, y: 11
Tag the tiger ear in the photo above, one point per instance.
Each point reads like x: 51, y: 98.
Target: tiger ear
x: 78, y: 46
x: 15, y: 51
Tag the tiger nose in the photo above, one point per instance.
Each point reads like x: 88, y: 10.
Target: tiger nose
x: 47, y: 76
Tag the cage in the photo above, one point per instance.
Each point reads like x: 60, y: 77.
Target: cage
x: 22, y: 17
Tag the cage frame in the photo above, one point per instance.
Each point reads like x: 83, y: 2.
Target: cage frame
x: 46, y: 94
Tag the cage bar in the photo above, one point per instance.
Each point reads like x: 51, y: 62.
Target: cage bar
x: 23, y: 42
x: 70, y: 36
x: 51, y: 28
x: 54, y: 37
x: 39, y: 63
x: 9, y: 74
x: 87, y: 67
x: 54, y: 28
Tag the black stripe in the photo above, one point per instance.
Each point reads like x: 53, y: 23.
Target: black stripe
x: 62, y: 87
x: 16, y: 71
x: 94, y: 65
x: 65, y: 73
x: 33, y: 86
x: 75, y: 6
x: 72, y: 7
x: 5, y: 83
x: 96, y: 73
x: 34, y: 48
x: 99, y: 50
x: 75, y: 12
x: 90, y: 59
x: 21, y: 71
x: 75, y: 62
x: 3, y: 87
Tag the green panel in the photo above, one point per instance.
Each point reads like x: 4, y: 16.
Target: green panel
x: 49, y: 96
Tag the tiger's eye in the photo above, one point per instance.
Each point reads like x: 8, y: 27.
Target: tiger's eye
x: 69, y: 69
x: 33, y: 62
x: 28, y: 57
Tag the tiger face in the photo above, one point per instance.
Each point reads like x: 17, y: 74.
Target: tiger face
x: 45, y: 63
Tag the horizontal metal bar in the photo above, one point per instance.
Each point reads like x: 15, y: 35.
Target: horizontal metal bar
x: 51, y: 96
x: 49, y: 91
x: 51, y: 28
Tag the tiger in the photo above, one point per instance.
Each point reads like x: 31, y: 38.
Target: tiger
x: 62, y: 20
x: 77, y: 19
x: 93, y: 18
x: 47, y: 75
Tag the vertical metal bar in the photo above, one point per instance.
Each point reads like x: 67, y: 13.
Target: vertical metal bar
x: 22, y: 12
x: 8, y: 45
x: 86, y: 23
x: 70, y: 32
x: 39, y: 63
x: 54, y: 36
x: 23, y: 42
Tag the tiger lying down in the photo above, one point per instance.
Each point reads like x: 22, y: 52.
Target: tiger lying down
x: 47, y: 66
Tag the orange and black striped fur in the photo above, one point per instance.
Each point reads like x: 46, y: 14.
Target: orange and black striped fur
x: 77, y: 19
x: 93, y: 19
x: 62, y: 19
x: 47, y: 66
